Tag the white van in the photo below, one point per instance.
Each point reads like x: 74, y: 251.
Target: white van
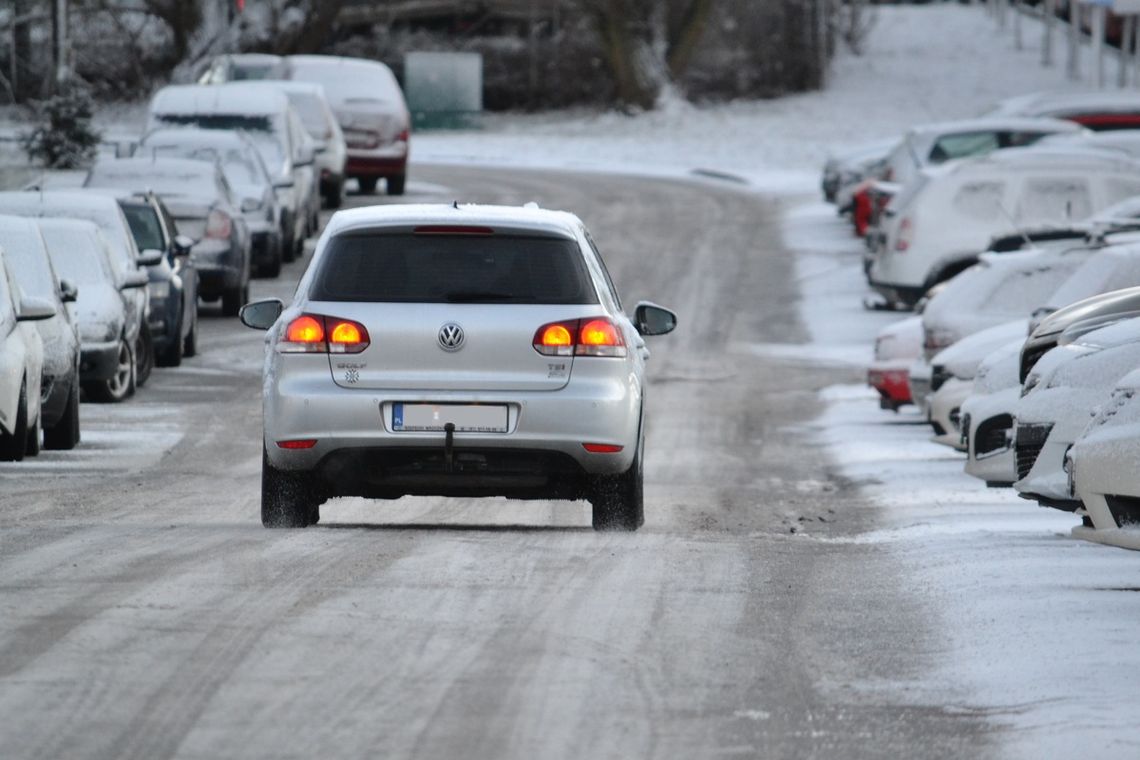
x: 946, y: 217
x: 263, y: 112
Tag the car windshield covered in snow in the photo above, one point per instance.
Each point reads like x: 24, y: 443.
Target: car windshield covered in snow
x: 25, y: 253
x: 417, y: 268
x: 187, y: 178
x: 74, y: 255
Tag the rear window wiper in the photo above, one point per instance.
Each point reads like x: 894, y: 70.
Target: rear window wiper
x: 476, y: 296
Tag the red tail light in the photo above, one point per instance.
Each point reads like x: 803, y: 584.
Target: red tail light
x: 602, y: 448
x: 300, y: 443
x: 906, y: 230
x: 219, y: 225
x: 316, y: 334
x: 597, y: 336
x: 404, y: 136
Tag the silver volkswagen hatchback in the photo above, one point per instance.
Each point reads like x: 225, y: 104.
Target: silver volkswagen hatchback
x: 454, y: 351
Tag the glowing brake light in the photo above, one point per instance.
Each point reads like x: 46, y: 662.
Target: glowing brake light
x: 316, y: 334
x: 596, y: 336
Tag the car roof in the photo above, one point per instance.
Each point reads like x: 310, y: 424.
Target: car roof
x: 158, y: 165
x: 197, y: 135
x: 12, y: 221
x: 78, y: 199
x: 1058, y: 158
x: 298, y: 85
x: 997, y: 123
x: 403, y: 215
x: 1073, y: 103
x: 67, y: 223
x: 243, y: 98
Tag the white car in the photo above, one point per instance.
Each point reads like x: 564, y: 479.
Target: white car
x: 946, y: 217
x: 897, y: 346
x: 21, y: 365
x: 456, y: 351
x: 1058, y: 399
x: 844, y: 170
x: 1102, y: 463
x: 952, y: 372
x: 312, y: 106
x: 987, y: 417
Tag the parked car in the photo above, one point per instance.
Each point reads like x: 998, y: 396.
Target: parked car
x: 312, y: 106
x: 987, y: 417
x: 897, y: 346
x: 1098, y: 111
x: 82, y: 254
x: 21, y: 365
x: 1125, y: 140
x: 28, y: 259
x: 244, y: 67
x: 849, y: 167
x: 248, y: 178
x: 945, y: 218
x: 1100, y: 464
x: 1058, y: 399
x: 263, y: 112
x: 453, y: 320
x: 128, y: 262
x: 202, y: 206
x: 372, y: 114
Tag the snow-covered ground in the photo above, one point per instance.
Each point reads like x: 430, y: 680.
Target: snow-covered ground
x: 1040, y: 628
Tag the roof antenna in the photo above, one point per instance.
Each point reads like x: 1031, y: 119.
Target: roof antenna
x: 455, y: 205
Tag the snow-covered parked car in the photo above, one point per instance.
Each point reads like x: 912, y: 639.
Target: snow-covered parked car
x: 1102, y: 463
x: 845, y: 169
x: 1058, y: 399
x: 21, y: 365
x: 331, y: 150
x: 987, y: 417
x: 952, y: 377
x: 1105, y: 110
x: 244, y: 67
x: 946, y: 217
x: 28, y: 259
x: 896, y: 347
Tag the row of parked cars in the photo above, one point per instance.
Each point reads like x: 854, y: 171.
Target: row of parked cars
x: 101, y: 275
x: 1020, y: 257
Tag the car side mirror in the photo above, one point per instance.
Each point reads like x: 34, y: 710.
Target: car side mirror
x: 34, y: 310
x: 250, y: 204
x: 283, y: 184
x: 261, y: 315
x: 68, y: 293
x: 651, y: 319
x: 181, y: 245
x: 149, y: 257
x: 135, y: 279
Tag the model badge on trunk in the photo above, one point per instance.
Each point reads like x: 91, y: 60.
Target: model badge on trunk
x: 451, y: 337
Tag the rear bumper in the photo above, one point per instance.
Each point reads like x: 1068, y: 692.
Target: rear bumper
x: 365, y: 164
x: 890, y: 380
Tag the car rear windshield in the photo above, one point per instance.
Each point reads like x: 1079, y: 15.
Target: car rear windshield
x: 248, y: 122
x: 145, y: 225
x: 411, y: 268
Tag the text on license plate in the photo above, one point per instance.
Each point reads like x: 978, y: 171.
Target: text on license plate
x: 467, y: 418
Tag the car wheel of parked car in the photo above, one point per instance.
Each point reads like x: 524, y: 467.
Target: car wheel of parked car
x: 335, y: 197
x: 271, y: 268
x: 13, y: 446
x: 396, y: 184
x: 144, y: 356
x: 120, y: 385
x: 618, y: 501
x: 65, y: 434
x: 171, y: 356
x: 288, y: 499
x: 34, y: 437
x: 190, y: 343
x: 367, y: 184
x: 233, y: 299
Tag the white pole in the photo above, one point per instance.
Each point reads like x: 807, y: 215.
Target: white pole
x: 1018, y: 44
x: 1098, y: 43
x: 1050, y: 23
x: 1125, y: 47
x: 1074, y: 66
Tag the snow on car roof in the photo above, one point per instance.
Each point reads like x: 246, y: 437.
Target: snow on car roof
x: 245, y: 98
x: 1046, y: 103
x: 222, y: 138
x: 1057, y: 158
x: 995, y: 123
x: 977, y: 346
x: 155, y: 165
x: 455, y: 214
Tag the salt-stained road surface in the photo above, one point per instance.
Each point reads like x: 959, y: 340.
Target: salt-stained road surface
x: 144, y: 612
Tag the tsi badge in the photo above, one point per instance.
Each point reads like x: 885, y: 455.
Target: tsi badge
x: 451, y: 337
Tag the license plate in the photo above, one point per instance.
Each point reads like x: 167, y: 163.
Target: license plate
x: 467, y: 418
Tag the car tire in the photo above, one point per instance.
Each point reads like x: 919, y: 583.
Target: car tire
x: 35, y: 436
x: 334, y: 198
x: 190, y: 342
x: 396, y: 184
x: 144, y: 356
x: 271, y: 268
x: 65, y: 435
x: 288, y: 499
x: 618, y: 501
x: 233, y: 299
x: 367, y: 184
x: 119, y: 386
x: 14, y: 445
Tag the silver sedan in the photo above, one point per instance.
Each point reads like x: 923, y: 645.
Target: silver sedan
x: 456, y: 351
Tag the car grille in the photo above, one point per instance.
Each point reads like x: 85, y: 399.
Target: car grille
x: 964, y: 432
x: 993, y: 435
x: 1125, y: 509
x: 1028, y: 441
x: 938, y: 375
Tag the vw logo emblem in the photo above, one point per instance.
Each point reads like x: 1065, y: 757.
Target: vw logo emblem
x: 451, y: 337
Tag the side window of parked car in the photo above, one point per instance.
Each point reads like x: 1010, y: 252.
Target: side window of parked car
x: 605, y: 272
x: 980, y: 200
x: 962, y: 145
x: 1054, y: 199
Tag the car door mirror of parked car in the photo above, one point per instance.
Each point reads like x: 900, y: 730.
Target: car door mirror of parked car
x: 149, y: 257
x: 283, y: 183
x: 260, y: 315
x: 135, y: 279
x: 250, y: 204
x: 34, y: 310
x: 181, y: 245
x: 651, y: 319
x: 68, y: 293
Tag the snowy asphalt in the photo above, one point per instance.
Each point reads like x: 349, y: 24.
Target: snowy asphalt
x: 144, y: 613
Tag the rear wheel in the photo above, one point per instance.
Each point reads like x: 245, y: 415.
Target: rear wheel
x: 171, y: 356
x: 65, y: 434
x: 144, y: 356
x: 190, y: 342
x: 121, y: 384
x: 288, y: 499
x: 396, y: 184
x: 367, y: 184
x: 618, y: 502
x: 233, y: 299
x: 14, y: 444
